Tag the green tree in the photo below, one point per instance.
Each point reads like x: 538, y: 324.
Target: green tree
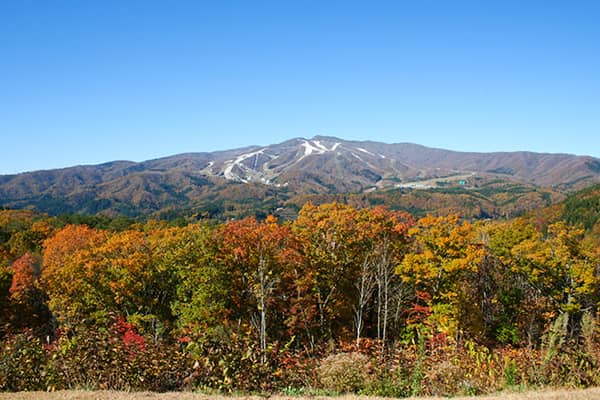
x: 202, y: 291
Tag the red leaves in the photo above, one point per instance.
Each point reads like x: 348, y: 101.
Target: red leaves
x: 129, y: 336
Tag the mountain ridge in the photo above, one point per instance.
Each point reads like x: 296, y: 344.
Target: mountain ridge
x: 279, y: 172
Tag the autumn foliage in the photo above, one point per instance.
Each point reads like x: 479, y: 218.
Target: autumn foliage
x: 341, y: 299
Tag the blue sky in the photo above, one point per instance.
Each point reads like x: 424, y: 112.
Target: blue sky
x: 84, y: 82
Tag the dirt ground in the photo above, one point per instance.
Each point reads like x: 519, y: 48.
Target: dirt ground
x: 586, y: 394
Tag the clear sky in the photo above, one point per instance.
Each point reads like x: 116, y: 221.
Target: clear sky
x: 84, y: 82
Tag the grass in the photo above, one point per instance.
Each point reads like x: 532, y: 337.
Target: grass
x: 593, y: 393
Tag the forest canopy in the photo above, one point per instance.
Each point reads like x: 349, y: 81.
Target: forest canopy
x: 265, y: 305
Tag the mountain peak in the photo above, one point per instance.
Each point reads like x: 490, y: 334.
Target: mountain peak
x: 328, y: 138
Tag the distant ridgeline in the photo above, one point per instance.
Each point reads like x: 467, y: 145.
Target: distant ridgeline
x: 279, y: 179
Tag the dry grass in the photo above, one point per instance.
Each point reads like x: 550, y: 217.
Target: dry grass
x: 593, y: 393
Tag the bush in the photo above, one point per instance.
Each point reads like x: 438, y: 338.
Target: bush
x: 227, y: 361
x: 116, y: 358
x: 23, y: 362
x: 447, y: 379
x: 345, y: 372
x: 94, y: 357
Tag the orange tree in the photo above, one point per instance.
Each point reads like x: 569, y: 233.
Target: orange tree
x: 28, y: 300
x: 259, y: 258
x: 347, y: 277
x: 90, y: 274
x: 69, y: 275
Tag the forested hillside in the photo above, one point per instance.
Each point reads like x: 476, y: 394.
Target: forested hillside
x: 278, y: 179
x: 342, y: 298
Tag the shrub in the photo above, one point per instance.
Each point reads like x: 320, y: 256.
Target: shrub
x: 446, y: 379
x: 345, y: 372
x: 92, y: 357
x: 22, y: 363
x: 116, y: 358
x: 229, y: 362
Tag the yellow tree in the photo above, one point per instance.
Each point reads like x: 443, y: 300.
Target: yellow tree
x: 563, y: 265
x: 67, y: 275
x: 445, y: 252
x: 127, y: 281
x: 517, y: 309
x: 330, y: 242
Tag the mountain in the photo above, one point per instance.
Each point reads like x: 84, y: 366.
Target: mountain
x: 279, y: 176
x: 326, y: 164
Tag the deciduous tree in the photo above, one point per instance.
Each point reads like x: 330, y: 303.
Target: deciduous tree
x: 258, y: 256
